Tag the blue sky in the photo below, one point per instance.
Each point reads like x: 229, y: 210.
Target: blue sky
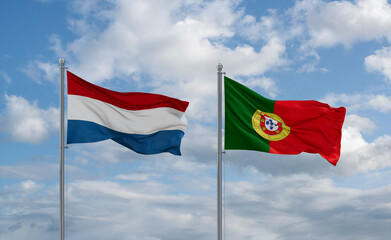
x: 337, y: 52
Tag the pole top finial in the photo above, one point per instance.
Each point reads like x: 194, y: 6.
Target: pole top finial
x: 62, y: 61
x: 219, y: 67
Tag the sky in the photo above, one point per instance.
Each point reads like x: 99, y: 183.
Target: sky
x: 337, y: 52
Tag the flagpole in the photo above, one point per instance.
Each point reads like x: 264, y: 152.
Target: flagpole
x: 62, y: 217
x: 219, y: 154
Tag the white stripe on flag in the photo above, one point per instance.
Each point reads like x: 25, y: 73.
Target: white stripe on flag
x: 135, y: 122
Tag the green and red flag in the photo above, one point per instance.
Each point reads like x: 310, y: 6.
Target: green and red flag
x: 253, y: 122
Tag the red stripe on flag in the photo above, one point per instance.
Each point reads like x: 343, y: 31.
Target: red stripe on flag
x: 315, y: 128
x: 125, y: 100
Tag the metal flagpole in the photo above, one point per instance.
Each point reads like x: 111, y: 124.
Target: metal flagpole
x: 62, y: 217
x: 219, y: 154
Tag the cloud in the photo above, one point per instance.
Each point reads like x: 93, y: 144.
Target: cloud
x: 344, y: 22
x: 175, y: 49
x: 381, y: 103
x: 135, y: 176
x: 26, y: 122
x: 380, y: 62
x: 5, y: 76
x: 358, y: 155
x: 300, y: 207
x: 37, y: 226
x: 38, y: 71
x: 311, y: 67
x: 167, y: 214
x: 264, y: 29
x: 318, y: 23
x: 33, y: 171
x: 200, y: 137
x: 180, y: 201
x: 24, y: 188
x: 354, y: 102
x: 267, y: 84
x: 294, y: 206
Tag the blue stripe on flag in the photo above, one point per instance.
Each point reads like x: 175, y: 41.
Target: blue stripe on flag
x: 163, y: 141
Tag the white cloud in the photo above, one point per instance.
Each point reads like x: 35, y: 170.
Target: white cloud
x: 39, y: 71
x: 354, y: 102
x: 380, y: 62
x: 135, y: 176
x: 24, y: 188
x: 311, y: 67
x: 319, y: 23
x: 358, y: 155
x: 168, y: 47
x: 344, y: 22
x: 5, y: 76
x: 200, y: 137
x: 350, y: 101
x: 26, y: 122
x: 178, y: 46
x: 244, y: 60
x: 381, y: 103
x: 267, y: 27
x: 103, y: 152
x: 33, y: 171
x: 265, y: 83
x: 303, y: 207
x: 295, y: 207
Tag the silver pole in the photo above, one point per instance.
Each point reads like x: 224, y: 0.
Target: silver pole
x: 219, y: 153
x: 62, y: 217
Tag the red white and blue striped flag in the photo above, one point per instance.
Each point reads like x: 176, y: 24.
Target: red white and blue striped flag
x: 146, y: 123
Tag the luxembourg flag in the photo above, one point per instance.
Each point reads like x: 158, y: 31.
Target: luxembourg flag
x: 146, y: 123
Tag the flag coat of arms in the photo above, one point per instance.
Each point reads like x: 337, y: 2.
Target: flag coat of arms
x: 144, y: 122
x: 253, y: 122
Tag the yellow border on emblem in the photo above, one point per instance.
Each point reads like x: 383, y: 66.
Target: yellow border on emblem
x: 257, y: 127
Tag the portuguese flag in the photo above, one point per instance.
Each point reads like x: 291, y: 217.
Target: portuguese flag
x: 253, y: 122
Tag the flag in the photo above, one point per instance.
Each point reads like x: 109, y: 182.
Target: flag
x: 253, y: 122
x: 146, y: 123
